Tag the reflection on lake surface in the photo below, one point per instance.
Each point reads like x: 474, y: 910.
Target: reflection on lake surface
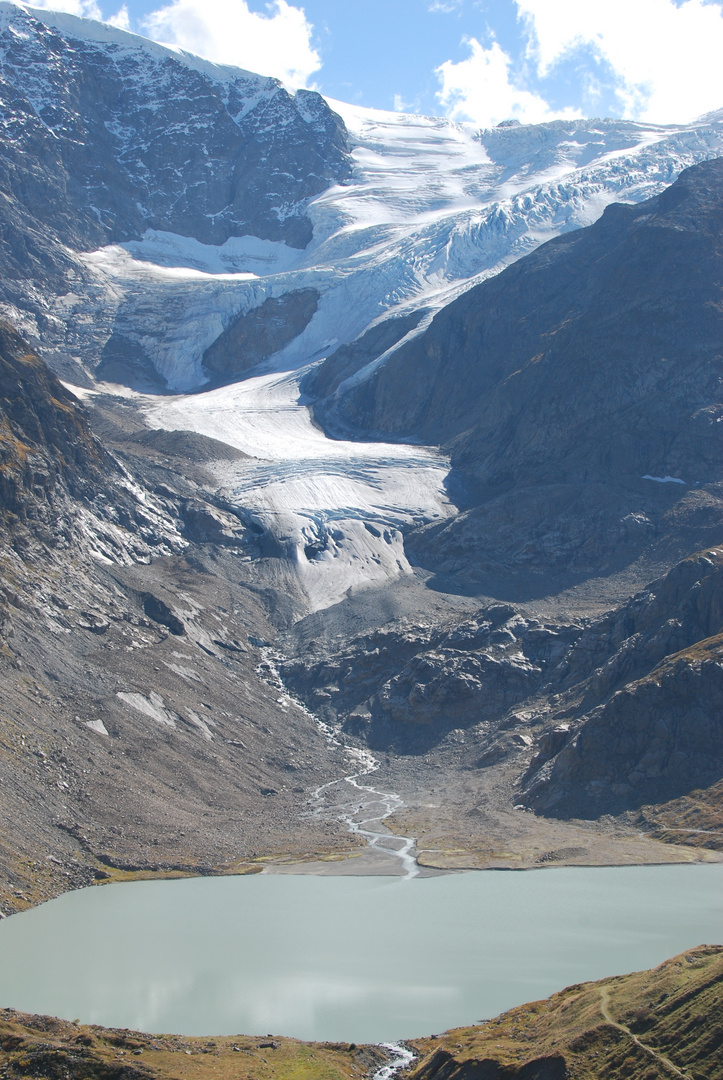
x: 357, y: 959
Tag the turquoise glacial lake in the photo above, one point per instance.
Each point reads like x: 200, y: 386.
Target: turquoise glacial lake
x: 363, y: 959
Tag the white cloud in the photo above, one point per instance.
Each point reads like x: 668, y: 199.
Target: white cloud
x: 87, y: 9
x: 481, y: 89
x: 121, y: 19
x: 667, y: 57
x: 225, y: 31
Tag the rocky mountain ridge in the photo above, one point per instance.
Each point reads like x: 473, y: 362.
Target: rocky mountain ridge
x: 106, y: 135
x: 157, y: 160
x: 133, y: 137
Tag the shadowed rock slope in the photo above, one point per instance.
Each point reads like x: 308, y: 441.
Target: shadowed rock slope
x: 58, y: 485
x: 579, y: 393
x: 644, y: 726
x: 47, y: 451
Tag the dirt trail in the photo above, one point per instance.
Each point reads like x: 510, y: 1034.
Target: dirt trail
x: 664, y: 1061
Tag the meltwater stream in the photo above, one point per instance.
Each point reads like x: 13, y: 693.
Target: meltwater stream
x: 368, y: 808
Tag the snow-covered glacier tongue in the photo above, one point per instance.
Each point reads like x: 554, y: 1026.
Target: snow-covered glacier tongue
x: 335, y: 512
x: 230, y: 310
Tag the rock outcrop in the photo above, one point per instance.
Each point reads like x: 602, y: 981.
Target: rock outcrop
x: 252, y: 338
x: 640, y: 706
x: 412, y: 684
x: 106, y: 138
x: 58, y: 484
x: 658, y: 738
x: 47, y: 450
x: 601, y: 716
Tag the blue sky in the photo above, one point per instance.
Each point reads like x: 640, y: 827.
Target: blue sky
x: 479, y: 60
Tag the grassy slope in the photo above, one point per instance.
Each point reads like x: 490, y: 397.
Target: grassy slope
x: 675, y: 1012
x: 41, y: 1046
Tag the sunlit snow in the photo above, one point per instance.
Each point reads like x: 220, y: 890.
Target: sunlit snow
x: 433, y: 208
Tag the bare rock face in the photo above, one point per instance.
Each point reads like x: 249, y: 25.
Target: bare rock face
x: 133, y: 137
x: 345, y: 361
x: 409, y: 683
x: 253, y: 337
x: 669, y: 616
x: 459, y: 688
x: 57, y: 482
x: 47, y: 450
x: 657, y: 739
x: 646, y: 721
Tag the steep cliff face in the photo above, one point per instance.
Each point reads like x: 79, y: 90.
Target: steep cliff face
x: 598, y: 355
x: 105, y: 138
x: 253, y: 338
x: 653, y: 741
x: 642, y: 702
x: 59, y: 487
x: 47, y: 450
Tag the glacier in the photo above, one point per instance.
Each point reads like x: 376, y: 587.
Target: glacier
x: 431, y: 209
x: 336, y: 510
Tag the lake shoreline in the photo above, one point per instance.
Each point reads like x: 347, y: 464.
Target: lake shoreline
x: 366, y: 862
